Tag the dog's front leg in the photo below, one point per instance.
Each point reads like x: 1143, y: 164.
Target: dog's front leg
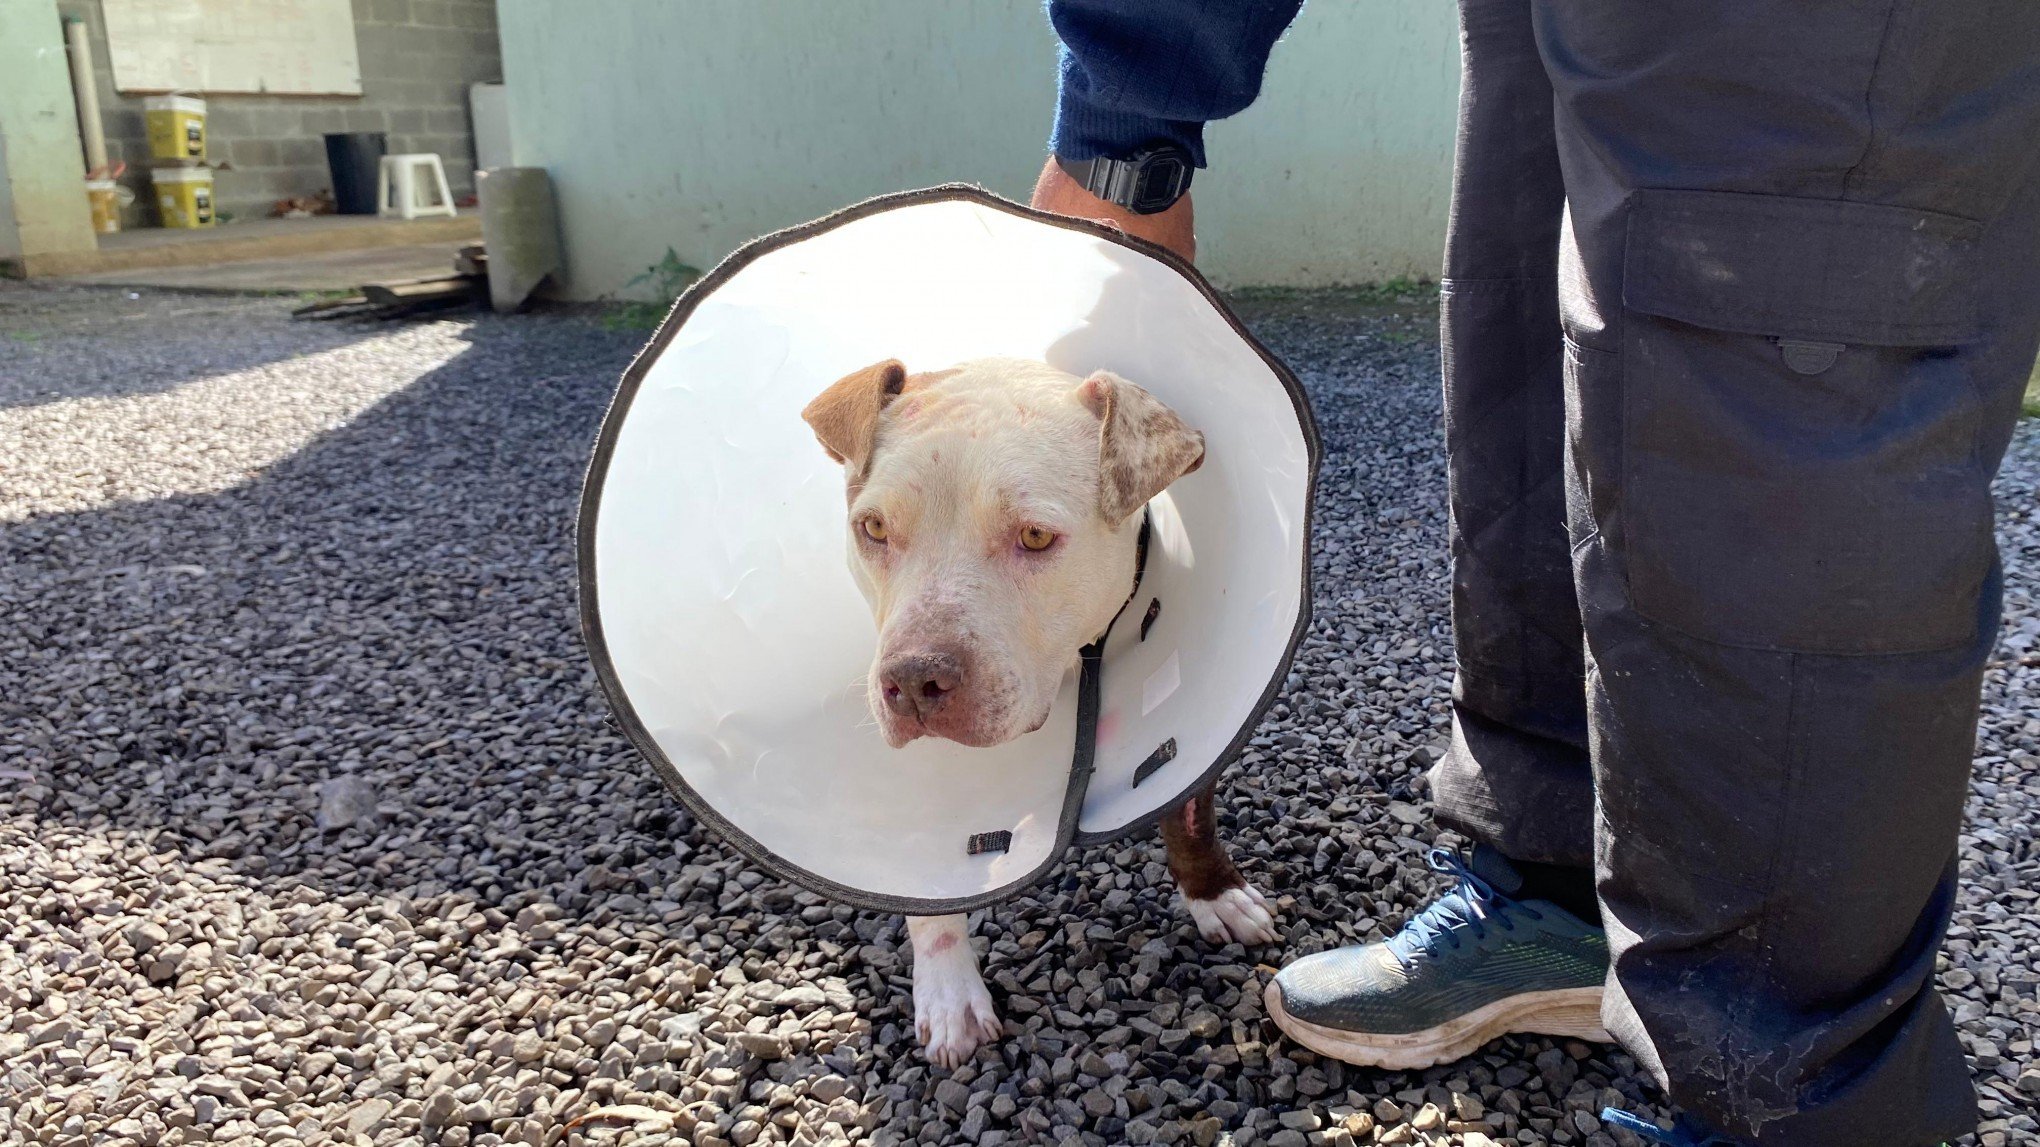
x: 1220, y: 900
x: 952, y: 1010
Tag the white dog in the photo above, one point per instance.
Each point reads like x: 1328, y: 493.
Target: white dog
x: 994, y: 522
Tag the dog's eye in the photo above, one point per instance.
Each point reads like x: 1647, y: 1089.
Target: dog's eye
x: 874, y: 528
x: 1035, y: 538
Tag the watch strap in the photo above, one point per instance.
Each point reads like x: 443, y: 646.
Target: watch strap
x: 1118, y: 180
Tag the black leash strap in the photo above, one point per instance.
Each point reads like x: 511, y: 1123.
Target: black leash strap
x: 1090, y: 675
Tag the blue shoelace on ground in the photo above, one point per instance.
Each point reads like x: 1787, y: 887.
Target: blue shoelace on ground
x: 1684, y: 1135
x: 1469, y: 907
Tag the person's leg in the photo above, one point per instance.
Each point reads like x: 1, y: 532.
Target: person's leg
x: 1516, y: 775
x: 1802, y: 276
x: 1512, y: 948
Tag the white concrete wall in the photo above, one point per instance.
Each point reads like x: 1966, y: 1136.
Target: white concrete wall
x: 43, y: 209
x: 699, y: 125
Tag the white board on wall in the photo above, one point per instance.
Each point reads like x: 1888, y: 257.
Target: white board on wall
x: 276, y: 47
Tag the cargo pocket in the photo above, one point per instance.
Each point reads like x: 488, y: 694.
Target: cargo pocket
x: 1799, y: 455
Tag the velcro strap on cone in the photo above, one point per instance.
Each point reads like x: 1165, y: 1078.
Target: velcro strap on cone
x: 981, y: 842
x: 1162, y: 755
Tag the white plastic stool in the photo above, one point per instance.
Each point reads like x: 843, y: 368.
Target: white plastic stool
x: 398, y: 185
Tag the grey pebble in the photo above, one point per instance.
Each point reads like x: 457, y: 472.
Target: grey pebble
x: 346, y: 801
x: 439, y: 1108
x: 368, y: 1116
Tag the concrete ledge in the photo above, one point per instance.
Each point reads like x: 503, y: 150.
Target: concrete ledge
x: 292, y: 274
x: 242, y: 242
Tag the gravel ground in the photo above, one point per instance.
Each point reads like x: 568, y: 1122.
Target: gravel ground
x: 312, y: 827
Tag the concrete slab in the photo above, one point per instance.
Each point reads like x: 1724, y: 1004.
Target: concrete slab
x: 334, y: 271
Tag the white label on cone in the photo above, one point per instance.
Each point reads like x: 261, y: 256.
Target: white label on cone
x: 1160, y: 684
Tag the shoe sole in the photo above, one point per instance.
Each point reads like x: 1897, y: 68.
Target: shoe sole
x: 1568, y: 1012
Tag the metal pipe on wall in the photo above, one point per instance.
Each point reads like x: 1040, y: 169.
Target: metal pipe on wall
x: 86, y: 84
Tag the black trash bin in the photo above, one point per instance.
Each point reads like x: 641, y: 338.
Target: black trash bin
x: 354, y: 157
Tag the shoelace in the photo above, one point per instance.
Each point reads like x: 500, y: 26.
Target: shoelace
x: 1684, y: 1135
x: 1469, y: 907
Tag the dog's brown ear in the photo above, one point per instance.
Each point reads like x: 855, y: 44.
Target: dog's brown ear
x: 1142, y: 445
x: 845, y: 416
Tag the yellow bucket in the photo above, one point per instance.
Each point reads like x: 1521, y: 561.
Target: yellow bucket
x: 106, y: 196
x: 176, y: 127
x: 184, y: 196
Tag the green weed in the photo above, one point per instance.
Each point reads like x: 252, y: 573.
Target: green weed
x: 667, y: 278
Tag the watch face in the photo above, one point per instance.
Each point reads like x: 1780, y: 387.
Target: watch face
x: 1159, y: 184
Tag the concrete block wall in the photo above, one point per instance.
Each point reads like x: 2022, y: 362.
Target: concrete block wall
x: 417, y: 59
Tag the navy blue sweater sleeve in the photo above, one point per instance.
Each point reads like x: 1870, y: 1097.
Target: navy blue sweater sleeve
x: 1136, y: 71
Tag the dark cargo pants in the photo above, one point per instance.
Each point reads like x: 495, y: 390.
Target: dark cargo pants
x: 1740, y: 300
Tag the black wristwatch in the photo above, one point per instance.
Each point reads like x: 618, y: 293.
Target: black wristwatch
x: 1145, y: 182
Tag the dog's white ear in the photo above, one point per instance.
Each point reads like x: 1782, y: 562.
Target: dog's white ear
x: 845, y: 416
x: 1142, y: 445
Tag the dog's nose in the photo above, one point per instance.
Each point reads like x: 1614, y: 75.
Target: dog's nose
x: 920, y: 684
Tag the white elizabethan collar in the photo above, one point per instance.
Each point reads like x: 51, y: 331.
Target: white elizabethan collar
x: 732, y: 641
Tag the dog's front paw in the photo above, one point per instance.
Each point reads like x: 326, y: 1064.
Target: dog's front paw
x: 953, y: 1012
x: 1239, y: 913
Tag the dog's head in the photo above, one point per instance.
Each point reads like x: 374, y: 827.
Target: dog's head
x: 994, y: 517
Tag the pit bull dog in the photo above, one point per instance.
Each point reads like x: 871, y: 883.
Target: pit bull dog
x: 994, y: 522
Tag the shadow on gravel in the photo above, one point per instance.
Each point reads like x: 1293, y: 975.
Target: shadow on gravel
x: 380, y: 629
x: 52, y: 349
x: 383, y: 623
x: 356, y: 681
x: 393, y: 604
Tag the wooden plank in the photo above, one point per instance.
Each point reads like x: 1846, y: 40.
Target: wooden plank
x: 444, y: 288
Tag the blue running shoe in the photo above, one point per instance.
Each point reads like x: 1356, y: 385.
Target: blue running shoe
x: 1475, y: 965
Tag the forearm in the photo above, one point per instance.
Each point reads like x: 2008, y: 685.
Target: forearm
x: 1137, y: 71
x: 1175, y: 228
